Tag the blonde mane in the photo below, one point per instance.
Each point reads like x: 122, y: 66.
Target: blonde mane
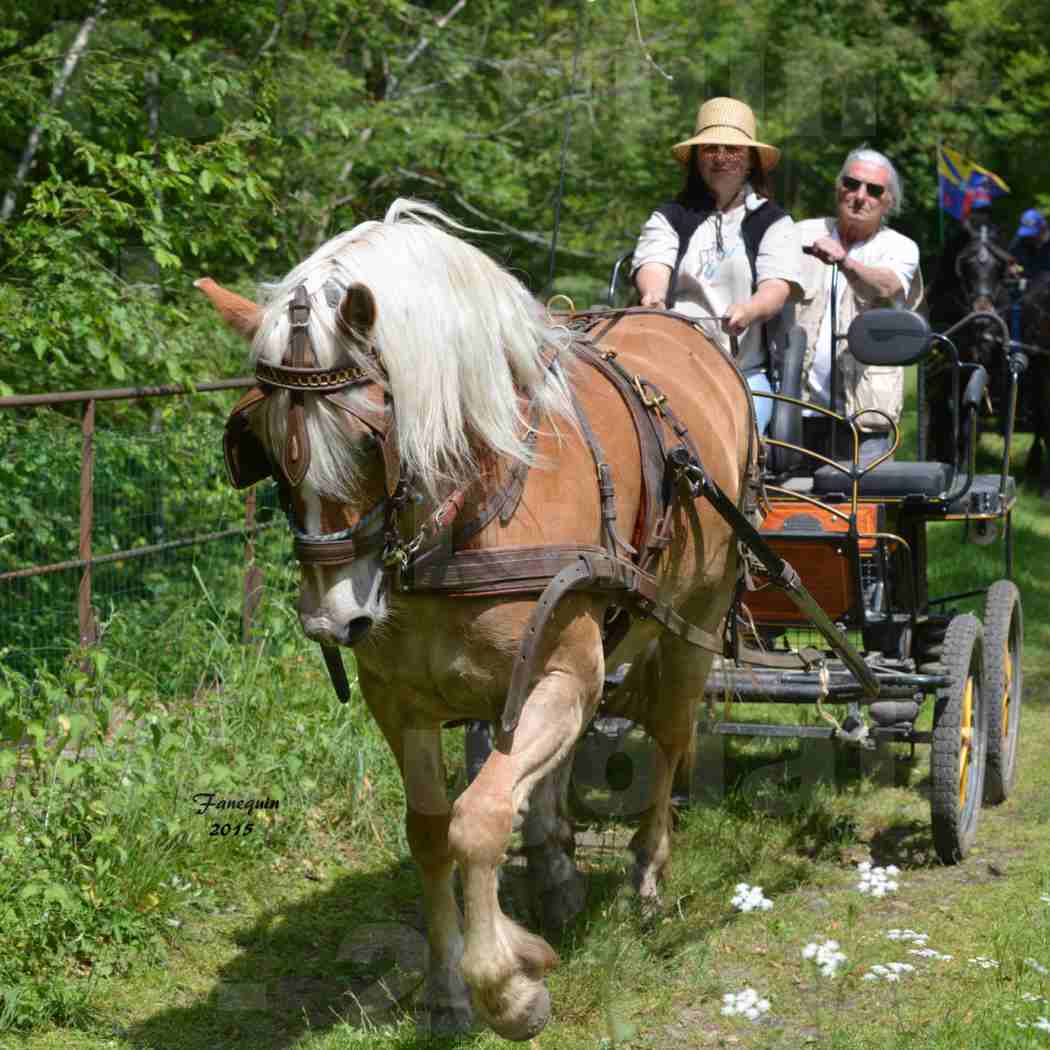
x: 462, y: 343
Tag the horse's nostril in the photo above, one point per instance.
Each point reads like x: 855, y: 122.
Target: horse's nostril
x: 356, y: 629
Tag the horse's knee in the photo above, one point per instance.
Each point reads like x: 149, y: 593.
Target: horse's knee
x: 480, y: 825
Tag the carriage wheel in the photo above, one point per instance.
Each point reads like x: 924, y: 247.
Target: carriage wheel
x: 957, y: 761
x: 1003, y: 643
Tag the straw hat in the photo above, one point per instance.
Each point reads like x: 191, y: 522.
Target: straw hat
x: 730, y: 123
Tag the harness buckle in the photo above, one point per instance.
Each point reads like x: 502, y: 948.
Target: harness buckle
x: 653, y: 403
x: 397, y: 555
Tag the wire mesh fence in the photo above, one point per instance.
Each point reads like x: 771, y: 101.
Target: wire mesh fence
x: 123, y: 505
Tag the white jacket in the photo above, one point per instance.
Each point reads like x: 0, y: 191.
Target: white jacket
x: 859, y: 386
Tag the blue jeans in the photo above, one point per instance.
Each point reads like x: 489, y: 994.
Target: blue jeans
x: 763, y: 405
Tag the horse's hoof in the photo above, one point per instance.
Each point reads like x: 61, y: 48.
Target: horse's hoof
x: 557, y: 907
x: 530, y: 1012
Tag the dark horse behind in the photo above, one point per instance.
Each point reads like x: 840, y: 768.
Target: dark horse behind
x: 999, y: 318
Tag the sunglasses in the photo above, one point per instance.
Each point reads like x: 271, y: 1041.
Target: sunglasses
x: 852, y: 185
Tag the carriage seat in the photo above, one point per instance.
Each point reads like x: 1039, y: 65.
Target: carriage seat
x: 890, y: 480
x: 786, y: 422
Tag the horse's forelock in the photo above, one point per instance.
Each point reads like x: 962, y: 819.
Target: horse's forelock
x: 460, y: 339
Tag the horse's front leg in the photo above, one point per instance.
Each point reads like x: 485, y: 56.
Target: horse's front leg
x: 418, y: 754
x: 504, y: 964
x: 426, y: 824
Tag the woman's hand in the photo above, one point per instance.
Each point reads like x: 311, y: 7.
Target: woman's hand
x: 655, y: 299
x: 738, y: 318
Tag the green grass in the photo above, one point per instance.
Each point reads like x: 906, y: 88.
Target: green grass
x: 144, y: 931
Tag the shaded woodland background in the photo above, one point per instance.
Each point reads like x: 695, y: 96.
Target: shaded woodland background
x: 145, y: 144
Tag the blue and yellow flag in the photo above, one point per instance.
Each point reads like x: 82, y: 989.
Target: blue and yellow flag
x: 965, y: 185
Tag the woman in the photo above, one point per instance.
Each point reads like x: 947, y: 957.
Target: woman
x: 722, y: 251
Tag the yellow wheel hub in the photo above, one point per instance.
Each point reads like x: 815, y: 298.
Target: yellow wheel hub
x: 965, y: 740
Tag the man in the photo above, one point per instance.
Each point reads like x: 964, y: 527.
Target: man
x: 868, y: 265
x: 1031, y: 244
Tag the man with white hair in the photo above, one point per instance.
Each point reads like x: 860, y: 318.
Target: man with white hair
x: 867, y: 265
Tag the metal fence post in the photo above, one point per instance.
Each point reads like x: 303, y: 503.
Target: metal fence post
x: 88, y: 626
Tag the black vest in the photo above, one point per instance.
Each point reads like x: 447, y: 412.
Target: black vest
x: 685, y: 221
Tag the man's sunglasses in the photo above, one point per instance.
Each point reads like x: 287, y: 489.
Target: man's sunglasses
x: 852, y: 185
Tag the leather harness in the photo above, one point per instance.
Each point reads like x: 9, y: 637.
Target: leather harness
x: 423, y: 564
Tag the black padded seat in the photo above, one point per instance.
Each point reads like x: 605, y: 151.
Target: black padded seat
x: 889, y: 480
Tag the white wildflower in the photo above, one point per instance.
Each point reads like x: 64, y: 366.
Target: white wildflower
x: 909, y: 936
x: 930, y: 953
x: 890, y: 972
x: 744, y: 1004
x: 1045, y: 898
x: 984, y: 962
x: 750, y: 898
x: 825, y: 955
x: 877, y: 881
x: 1031, y: 997
x: 1042, y: 1023
x: 1039, y: 968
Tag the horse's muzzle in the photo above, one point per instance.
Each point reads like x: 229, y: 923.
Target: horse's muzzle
x: 321, y: 629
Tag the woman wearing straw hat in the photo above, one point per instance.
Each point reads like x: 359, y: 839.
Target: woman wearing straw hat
x: 722, y: 251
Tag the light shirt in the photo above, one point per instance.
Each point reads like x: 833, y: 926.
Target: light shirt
x: 885, y: 248
x: 715, y: 272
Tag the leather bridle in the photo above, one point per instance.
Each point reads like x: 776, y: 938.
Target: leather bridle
x: 377, y: 530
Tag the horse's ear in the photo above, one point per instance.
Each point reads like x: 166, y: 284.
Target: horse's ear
x: 357, y: 311
x: 241, y: 314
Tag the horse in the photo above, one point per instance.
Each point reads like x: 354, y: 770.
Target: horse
x: 1035, y: 335
x: 406, y: 378
x: 974, y: 280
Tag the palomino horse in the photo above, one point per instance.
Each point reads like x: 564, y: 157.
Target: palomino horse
x: 405, y: 378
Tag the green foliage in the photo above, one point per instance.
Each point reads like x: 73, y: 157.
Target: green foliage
x: 186, y: 143
x: 104, y: 851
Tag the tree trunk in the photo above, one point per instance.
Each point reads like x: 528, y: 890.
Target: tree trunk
x: 72, y: 58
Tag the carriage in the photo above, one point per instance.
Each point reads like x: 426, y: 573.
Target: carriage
x: 492, y: 508
x: 897, y: 657
x: 858, y: 537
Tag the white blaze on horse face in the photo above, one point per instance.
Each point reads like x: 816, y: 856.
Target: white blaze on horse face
x: 334, y: 596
